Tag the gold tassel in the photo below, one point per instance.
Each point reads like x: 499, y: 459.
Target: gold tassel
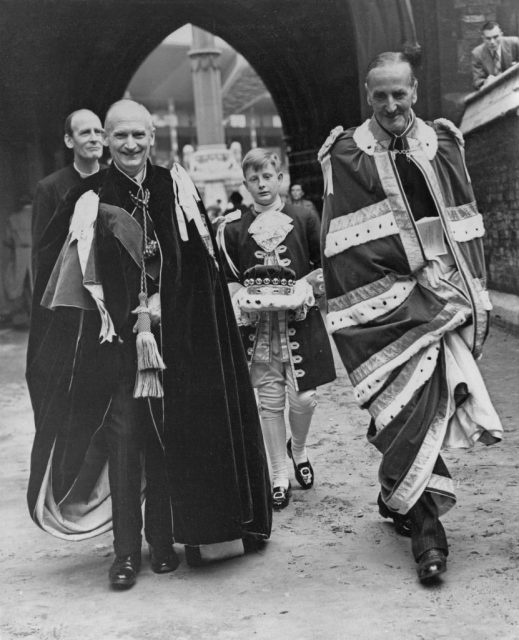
x: 149, y: 360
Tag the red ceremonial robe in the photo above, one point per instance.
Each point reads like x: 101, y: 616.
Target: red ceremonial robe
x: 405, y: 324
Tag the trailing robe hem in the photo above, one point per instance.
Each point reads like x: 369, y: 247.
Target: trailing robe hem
x: 207, y: 421
x: 407, y: 301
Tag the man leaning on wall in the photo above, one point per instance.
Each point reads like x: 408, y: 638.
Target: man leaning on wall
x: 495, y: 54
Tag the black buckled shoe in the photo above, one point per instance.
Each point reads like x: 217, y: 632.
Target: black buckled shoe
x: 124, y: 570
x: 163, y: 559
x: 402, y: 523
x: 280, y: 497
x: 303, y: 472
x: 431, y: 564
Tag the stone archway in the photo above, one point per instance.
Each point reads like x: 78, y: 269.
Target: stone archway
x: 82, y: 53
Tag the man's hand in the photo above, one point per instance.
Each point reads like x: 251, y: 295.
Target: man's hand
x: 488, y: 80
x: 153, y: 305
x: 315, y: 278
x: 154, y: 308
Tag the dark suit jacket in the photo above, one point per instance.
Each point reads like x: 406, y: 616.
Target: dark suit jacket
x: 483, y: 64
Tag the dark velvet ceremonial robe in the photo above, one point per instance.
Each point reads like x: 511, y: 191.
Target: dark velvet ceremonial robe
x: 49, y: 192
x: 406, y: 318
x: 207, y: 420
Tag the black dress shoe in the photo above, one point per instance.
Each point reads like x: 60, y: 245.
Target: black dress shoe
x: 431, y: 564
x: 280, y: 497
x: 303, y: 472
x: 402, y: 523
x: 124, y: 570
x: 163, y: 559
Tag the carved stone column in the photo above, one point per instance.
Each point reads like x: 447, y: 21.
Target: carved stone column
x: 207, y: 88
x: 213, y: 167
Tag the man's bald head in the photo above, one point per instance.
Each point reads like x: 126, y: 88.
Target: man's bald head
x: 127, y: 110
x: 78, y: 114
x: 129, y: 135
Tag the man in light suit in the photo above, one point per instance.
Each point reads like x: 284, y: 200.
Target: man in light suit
x: 84, y: 135
x: 496, y: 54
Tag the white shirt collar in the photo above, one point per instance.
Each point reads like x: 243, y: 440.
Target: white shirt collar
x: 84, y: 175
x: 277, y: 205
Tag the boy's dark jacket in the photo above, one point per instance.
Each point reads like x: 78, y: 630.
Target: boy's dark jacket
x: 309, y: 341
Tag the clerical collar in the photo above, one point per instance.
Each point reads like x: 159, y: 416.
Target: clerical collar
x: 137, y: 179
x: 277, y: 205
x: 84, y: 175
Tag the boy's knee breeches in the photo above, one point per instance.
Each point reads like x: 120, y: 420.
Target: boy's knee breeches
x: 272, y: 401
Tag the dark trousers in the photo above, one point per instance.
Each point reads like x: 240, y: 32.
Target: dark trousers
x: 427, y: 531
x: 131, y: 439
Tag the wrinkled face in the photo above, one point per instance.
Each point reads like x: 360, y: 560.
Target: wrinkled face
x: 130, y: 136
x: 87, y: 136
x: 391, y: 92
x: 263, y: 185
x: 492, y: 38
x: 296, y: 191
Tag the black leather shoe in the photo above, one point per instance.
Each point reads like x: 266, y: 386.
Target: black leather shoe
x: 124, y: 570
x: 431, y: 564
x: 402, y: 523
x: 280, y: 497
x: 163, y: 560
x: 303, y: 472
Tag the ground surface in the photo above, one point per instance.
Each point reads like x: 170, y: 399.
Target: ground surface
x: 333, y: 570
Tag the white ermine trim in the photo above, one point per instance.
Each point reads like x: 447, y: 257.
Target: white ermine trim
x: 370, y: 223
x: 424, y: 365
x: 368, y: 310
x: 364, y: 139
x: 427, y: 138
x: 302, y: 295
x: 468, y: 228
x: 355, y: 218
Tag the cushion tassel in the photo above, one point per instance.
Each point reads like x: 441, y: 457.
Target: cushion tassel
x: 149, y: 360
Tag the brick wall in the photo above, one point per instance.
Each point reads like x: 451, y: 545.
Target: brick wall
x: 493, y: 163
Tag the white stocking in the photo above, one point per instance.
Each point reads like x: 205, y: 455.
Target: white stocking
x: 274, y: 435
x: 302, y: 407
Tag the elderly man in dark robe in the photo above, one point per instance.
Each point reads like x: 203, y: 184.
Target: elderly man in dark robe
x: 142, y: 361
